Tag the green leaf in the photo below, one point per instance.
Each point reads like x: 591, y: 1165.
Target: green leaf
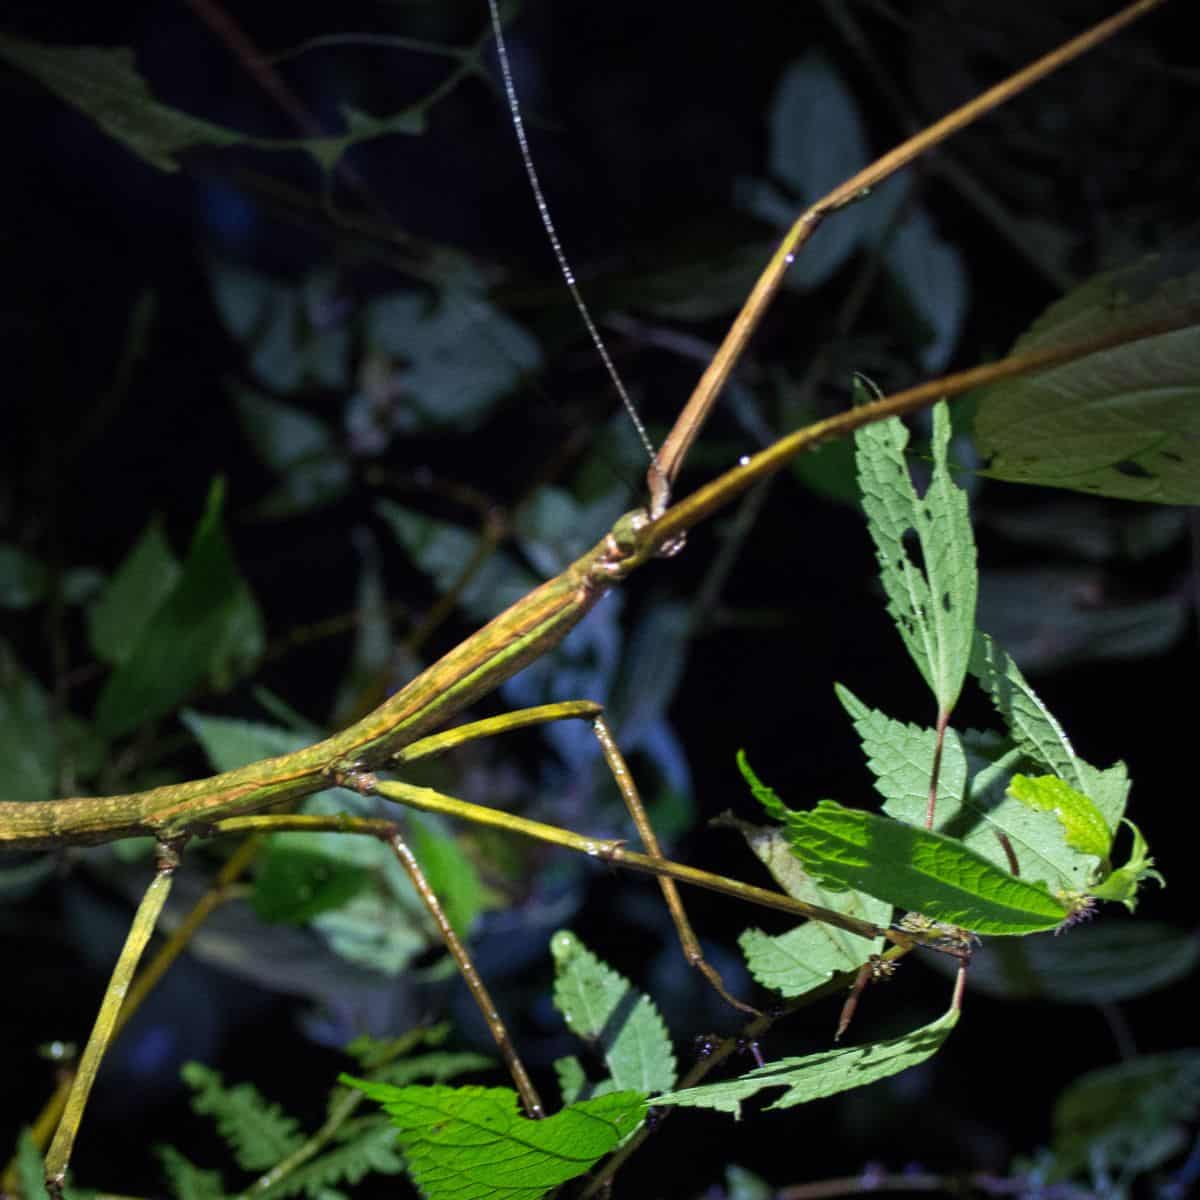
x: 22, y: 578
x: 195, y: 634
x: 188, y: 1181
x: 294, y: 882
x: 230, y: 743
x: 930, y: 272
x: 1034, y: 730
x: 472, y: 1144
x: 1114, y: 1118
x: 287, y: 348
x: 978, y: 812
x: 462, y: 354
x: 815, y: 1076
x: 259, y: 1132
x: 933, y: 606
x: 104, y: 84
x: 31, y: 1169
x: 900, y: 757
x: 741, y: 1184
x: 27, y: 745
x: 621, y: 1023
x: 811, y: 954
x: 766, y: 796
x: 1121, y: 422
x: 1124, y: 882
x: 918, y: 870
x: 438, y: 1065
x: 1104, y: 963
x: 816, y: 141
x: 1082, y: 823
x: 384, y: 926
x: 119, y: 615
x: 298, y: 446
x: 572, y: 1079
x: 440, y: 549
x: 370, y: 1151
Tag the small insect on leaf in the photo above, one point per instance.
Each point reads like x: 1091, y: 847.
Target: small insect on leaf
x: 1083, y: 826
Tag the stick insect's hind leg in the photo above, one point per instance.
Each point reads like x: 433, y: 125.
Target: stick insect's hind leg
x: 589, y: 710
x: 144, y: 920
x: 479, y: 993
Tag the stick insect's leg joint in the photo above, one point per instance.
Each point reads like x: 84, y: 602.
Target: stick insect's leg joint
x: 352, y: 775
x: 168, y: 853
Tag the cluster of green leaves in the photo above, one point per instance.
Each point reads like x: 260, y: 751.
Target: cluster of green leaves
x: 1012, y: 854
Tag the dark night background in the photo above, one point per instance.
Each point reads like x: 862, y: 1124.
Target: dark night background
x: 644, y: 120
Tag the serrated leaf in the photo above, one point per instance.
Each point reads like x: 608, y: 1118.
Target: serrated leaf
x: 1104, y: 963
x: 438, y: 1065
x: 977, y: 811
x: 191, y: 636
x: 621, y: 1023
x: 815, y: 1076
x: 1082, y: 823
x: 918, y: 870
x: 572, y: 1079
x: 1034, y: 730
x: 900, y: 756
x: 258, y: 1131
x: 119, y: 615
x: 188, y: 1181
x: 371, y: 1151
x: 933, y: 606
x: 1121, y: 422
x: 293, y: 882
x: 1114, y: 1117
x: 472, y: 1143
x: 795, y: 962
x: 806, y: 957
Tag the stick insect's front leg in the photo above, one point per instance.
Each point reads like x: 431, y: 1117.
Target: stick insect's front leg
x: 107, y: 1019
x: 615, y: 761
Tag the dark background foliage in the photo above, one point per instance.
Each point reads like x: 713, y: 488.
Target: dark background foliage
x: 644, y: 120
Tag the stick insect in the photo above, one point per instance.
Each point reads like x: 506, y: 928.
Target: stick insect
x: 405, y: 728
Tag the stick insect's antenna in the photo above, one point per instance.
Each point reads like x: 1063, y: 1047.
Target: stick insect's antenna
x: 514, y: 109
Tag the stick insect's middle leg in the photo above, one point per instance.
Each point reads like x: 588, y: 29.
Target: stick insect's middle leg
x: 615, y: 761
